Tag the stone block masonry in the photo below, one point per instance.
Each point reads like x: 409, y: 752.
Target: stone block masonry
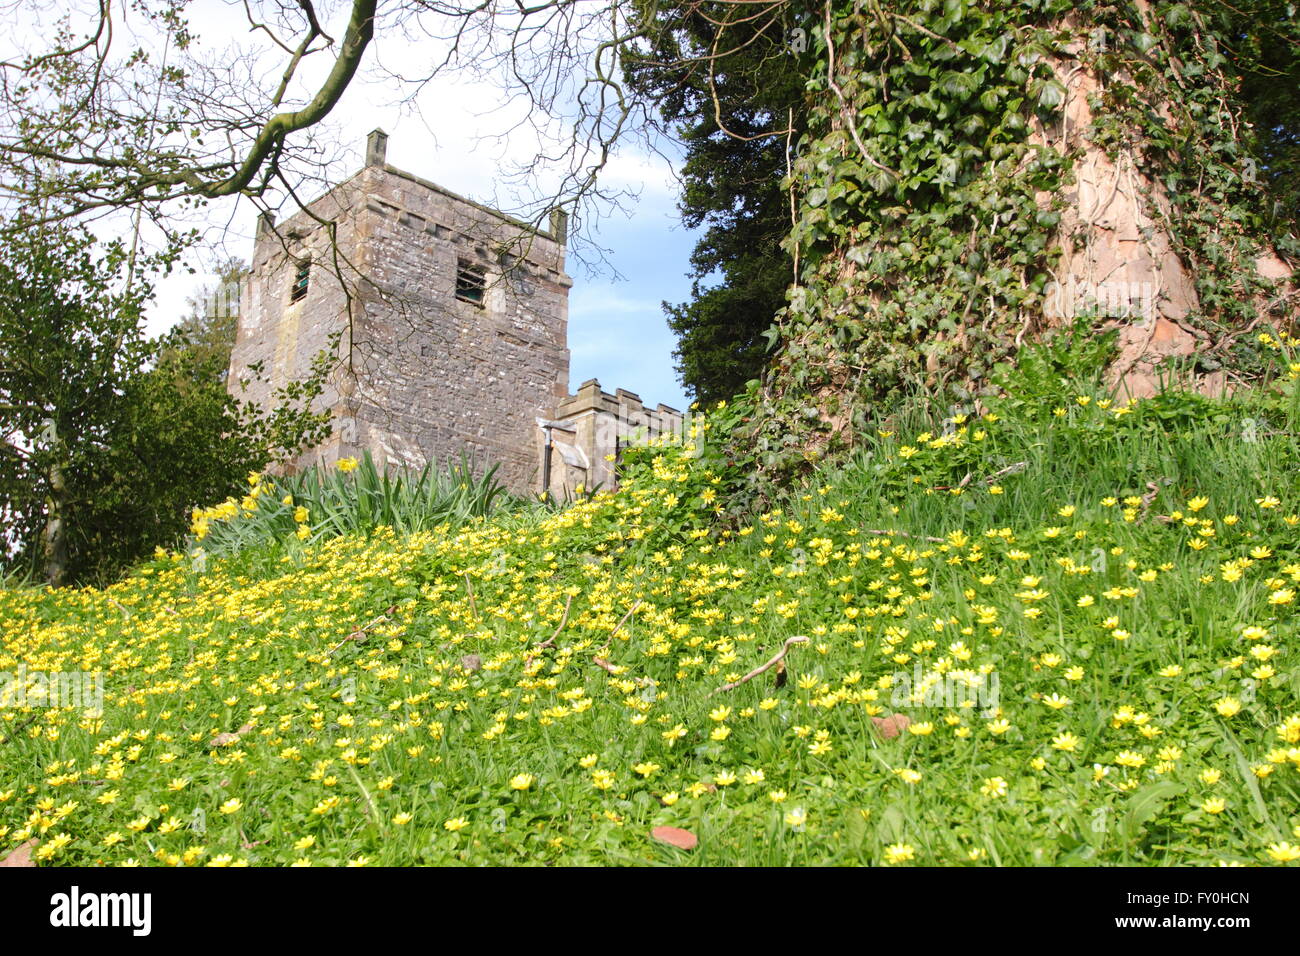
x: 580, y: 448
x: 453, y: 335
x: 453, y: 319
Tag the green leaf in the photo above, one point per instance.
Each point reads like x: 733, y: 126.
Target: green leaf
x: 1145, y: 805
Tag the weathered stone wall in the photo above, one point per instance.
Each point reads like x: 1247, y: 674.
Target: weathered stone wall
x: 422, y: 375
x: 591, y: 427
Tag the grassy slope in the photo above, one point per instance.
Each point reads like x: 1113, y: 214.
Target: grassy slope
x: 1146, y: 622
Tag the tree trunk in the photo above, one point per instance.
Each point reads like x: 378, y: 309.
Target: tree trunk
x: 978, y: 174
x: 54, y: 540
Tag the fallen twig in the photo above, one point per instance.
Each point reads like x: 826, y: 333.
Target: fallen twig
x: 619, y: 625
x: 360, y: 632
x: 469, y: 588
x: 564, y: 619
x: 1153, y: 490
x: 1010, y: 469
x: 776, y: 659
x: 15, y: 731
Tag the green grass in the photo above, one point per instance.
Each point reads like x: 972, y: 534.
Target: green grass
x: 898, y: 560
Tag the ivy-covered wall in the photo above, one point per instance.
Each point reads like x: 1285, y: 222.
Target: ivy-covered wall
x: 975, y: 173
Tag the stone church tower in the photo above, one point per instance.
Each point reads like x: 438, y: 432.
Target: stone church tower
x: 452, y: 320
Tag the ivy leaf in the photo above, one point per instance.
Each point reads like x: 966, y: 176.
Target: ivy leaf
x: 996, y: 50
x: 880, y: 180
x: 1051, y: 95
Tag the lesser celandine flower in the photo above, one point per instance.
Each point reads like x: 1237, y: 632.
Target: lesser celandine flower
x: 994, y: 787
x: 522, y: 781
x: 1227, y: 707
x: 1283, y: 852
x: 897, y: 853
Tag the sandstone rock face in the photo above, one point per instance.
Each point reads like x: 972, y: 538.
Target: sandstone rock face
x: 453, y: 320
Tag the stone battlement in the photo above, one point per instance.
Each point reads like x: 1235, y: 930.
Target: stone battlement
x: 590, y: 428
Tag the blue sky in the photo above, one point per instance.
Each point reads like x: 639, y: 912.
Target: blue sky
x: 617, y: 330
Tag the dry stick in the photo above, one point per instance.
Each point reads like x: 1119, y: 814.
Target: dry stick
x: 615, y: 671
x: 619, y: 625
x: 360, y: 631
x: 776, y: 659
x: 1017, y: 466
x: 473, y: 608
x: 1153, y: 489
x: 371, y: 811
x: 13, y: 732
x: 563, y: 620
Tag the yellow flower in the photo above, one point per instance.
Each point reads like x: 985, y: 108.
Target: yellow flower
x: 1214, y: 805
x: 522, y: 781
x: 994, y: 787
x: 1228, y: 707
x: 1283, y: 852
x: 899, y: 853
x: 454, y: 824
x: 233, y: 805
x: 1065, y: 741
x: 347, y: 464
x: 403, y: 818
